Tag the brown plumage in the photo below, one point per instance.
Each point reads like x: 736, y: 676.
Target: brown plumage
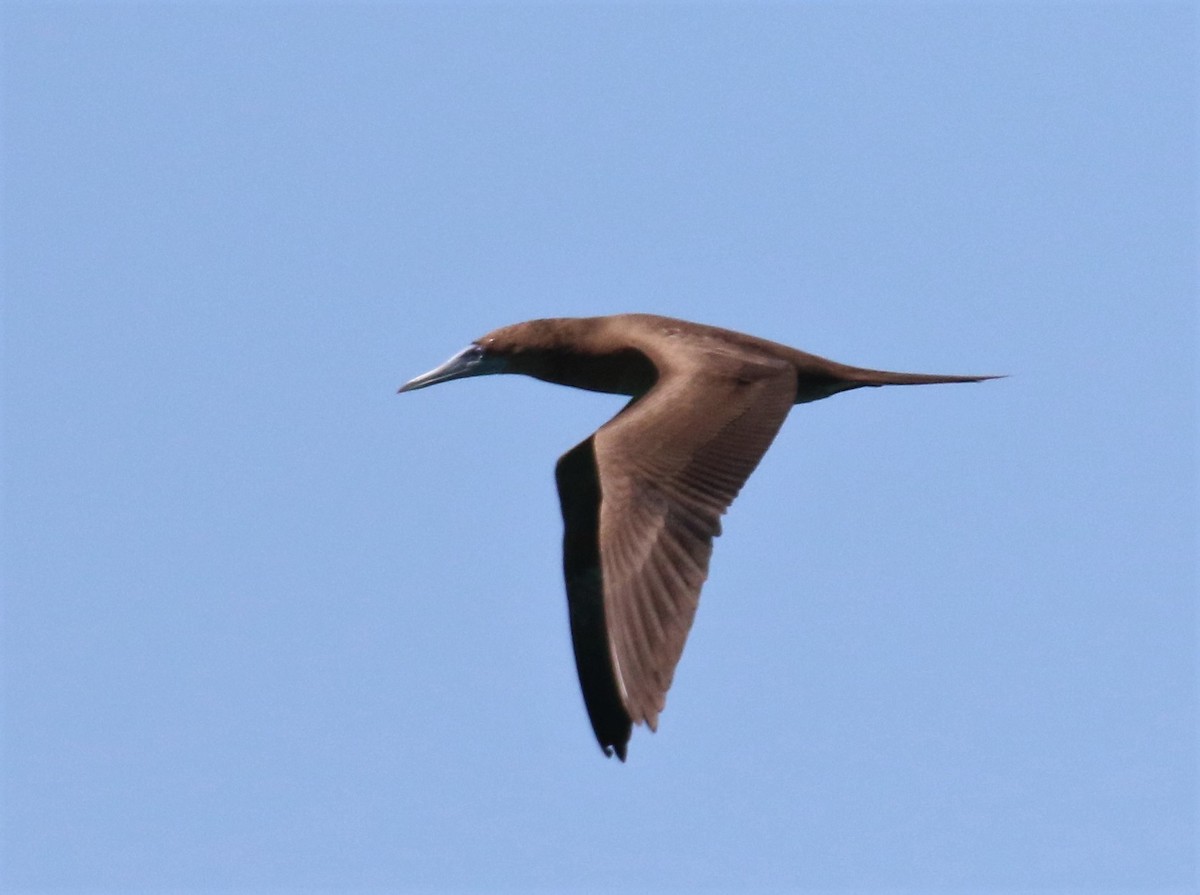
x: 643, y: 496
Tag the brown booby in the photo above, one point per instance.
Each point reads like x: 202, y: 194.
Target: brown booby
x: 642, y: 497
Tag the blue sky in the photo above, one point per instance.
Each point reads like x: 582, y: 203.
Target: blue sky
x: 269, y: 626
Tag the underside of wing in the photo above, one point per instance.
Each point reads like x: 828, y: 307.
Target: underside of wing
x: 642, y: 501
x: 579, y: 493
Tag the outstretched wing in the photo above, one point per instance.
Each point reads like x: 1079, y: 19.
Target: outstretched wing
x: 642, y: 500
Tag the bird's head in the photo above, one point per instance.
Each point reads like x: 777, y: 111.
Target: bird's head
x: 474, y: 360
x: 519, y: 348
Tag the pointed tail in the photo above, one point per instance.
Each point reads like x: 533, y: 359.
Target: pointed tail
x: 819, y: 378
x: 860, y: 377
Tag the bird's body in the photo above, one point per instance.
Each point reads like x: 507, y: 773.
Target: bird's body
x: 643, y: 496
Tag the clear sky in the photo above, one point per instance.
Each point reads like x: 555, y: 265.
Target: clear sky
x: 269, y: 626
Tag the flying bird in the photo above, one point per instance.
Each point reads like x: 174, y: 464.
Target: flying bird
x: 642, y: 497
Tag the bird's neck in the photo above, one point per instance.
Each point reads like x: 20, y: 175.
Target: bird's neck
x: 620, y: 372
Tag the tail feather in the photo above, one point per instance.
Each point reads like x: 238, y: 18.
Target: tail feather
x: 818, y: 377
x: 884, y: 377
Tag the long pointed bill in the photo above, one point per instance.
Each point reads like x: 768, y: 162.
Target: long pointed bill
x: 471, y: 361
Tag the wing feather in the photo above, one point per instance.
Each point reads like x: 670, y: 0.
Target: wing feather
x: 660, y: 509
x: 659, y: 477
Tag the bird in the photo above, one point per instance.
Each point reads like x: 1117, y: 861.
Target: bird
x: 642, y: 497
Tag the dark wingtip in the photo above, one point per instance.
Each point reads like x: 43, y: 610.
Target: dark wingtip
x: 618, y: 748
